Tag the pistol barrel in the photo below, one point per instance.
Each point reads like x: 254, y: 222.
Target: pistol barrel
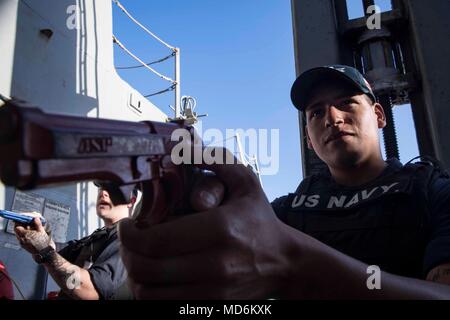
x: 38, y: 148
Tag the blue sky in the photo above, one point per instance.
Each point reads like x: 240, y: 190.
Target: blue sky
x: 237, y: 60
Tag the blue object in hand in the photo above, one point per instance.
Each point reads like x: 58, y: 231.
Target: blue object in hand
x: 22, y: 218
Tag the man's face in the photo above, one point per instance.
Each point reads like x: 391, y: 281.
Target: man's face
x: 342, y: 125
x: 104, y: 204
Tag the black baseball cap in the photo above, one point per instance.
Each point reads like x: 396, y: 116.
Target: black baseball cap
x: 308, y: 79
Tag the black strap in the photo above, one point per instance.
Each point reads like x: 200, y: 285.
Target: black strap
x: 105, y: 239
x: 102, y: 237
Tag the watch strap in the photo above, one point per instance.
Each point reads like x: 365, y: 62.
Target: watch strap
x: 44, y: 255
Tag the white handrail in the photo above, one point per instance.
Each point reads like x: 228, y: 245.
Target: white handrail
x: 144, y: 28
x: 142, y: 62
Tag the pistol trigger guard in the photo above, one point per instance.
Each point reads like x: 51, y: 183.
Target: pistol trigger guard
x: 153, y: 209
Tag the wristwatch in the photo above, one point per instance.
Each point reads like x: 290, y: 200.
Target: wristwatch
x: 44, y: 255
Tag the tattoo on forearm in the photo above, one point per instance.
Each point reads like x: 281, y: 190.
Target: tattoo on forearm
x: 65, y: 274
x: 39, y: 240
x: 439, y: 273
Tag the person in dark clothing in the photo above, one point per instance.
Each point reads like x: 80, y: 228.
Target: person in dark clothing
x: 365, y: 228
x: 85, y: 269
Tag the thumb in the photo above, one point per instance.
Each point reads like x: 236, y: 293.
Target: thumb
x: 20, y: 230
x: 38, y: 225
x: 207, y: 193
x: 237, y: 178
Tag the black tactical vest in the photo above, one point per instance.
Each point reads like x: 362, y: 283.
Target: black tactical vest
x: 89, y: 248
x: 383, y: 223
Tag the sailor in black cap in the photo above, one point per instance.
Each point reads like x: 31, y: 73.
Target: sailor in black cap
x: 365, y: 228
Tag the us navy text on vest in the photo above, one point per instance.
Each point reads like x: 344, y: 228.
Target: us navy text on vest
x: 343, y: 200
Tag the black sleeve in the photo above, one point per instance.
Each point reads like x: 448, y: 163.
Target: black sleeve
x: 108, y: 272
x: 67, y: 250
x: 61, y: 246
x: 438, y: 248
x: 279, y: 205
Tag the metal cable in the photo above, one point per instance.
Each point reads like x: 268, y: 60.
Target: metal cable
x: 140, y: 25
x: 142, y: 62
x: 172, y: 87
x: 148, y: 64
x: 4, y: 98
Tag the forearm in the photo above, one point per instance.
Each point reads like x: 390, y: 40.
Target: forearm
x: 73, y: 281
x: 325, y: 273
